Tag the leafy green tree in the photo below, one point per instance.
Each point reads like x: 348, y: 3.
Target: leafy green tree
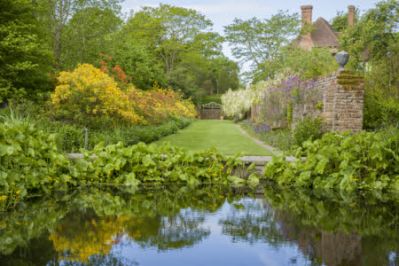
x: 56, y: 14
x: 375, y: 36
x: 175, y: 47
x: 176, y: 28
x: 139, y: 63
x: 340, y: 22
x: 23, y: 56
x: 87, y: 34
x: 374, y: 48
x: 257, y: 41
x: 224, y: 75
x: 305, y: 64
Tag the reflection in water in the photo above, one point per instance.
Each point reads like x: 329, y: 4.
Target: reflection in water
x: 212, y: 225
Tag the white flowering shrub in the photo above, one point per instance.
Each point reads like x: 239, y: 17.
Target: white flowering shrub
x: 237, y: 103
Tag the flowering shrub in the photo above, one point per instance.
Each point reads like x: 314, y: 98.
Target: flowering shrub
x: 115, y: 71
x: 237, y: 103
x: 159, y: 104
x: 87, y: 95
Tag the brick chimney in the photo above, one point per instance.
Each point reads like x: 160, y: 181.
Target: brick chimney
x: 306, y: 15
x: 351, y: 15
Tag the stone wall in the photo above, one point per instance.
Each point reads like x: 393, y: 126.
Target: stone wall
x: 344, y: 102
x: 337, y: 99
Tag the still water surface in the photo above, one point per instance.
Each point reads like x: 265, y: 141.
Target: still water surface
x: 208, y: 226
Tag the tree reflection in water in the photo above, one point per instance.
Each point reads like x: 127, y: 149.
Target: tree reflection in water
x: 329, y: 229
x: 87, y: 227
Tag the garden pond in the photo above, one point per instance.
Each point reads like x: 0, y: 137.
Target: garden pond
x: 202, y: 226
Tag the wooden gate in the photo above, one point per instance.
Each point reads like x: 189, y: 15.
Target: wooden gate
x: 211, y: 110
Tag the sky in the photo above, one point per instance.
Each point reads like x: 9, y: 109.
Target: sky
x: 223, y: 12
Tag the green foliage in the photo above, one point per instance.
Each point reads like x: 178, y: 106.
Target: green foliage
x: 174, y: 46
x: 31, y: 163
x: 165, y: 45
x: 87, y: 34
x: 340, y: 22
x: 380, y: 110
x: 71, y: 137
x: 29, y: 159
x: 305, y: 64
x: 139, y: 63
x: 216, y: 98
x: 23, y: 54
x: 153, y: 164
x: 257, y: 41
x: 62, y: 226
x: 365, y: 214
x: 374, y: 48
x: 89, y: 217
x: 307, y: 129
x: 374, y: 34
x: 289, y: 114
x: 363, y: 161
x: 373, y: 44
x: 281, y: 139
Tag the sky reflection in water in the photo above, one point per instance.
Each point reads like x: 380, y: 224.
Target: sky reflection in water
x: 209, y: 226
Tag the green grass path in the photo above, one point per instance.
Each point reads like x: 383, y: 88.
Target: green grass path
x: 225, y: 136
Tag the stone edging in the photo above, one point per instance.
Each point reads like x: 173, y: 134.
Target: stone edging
x: 273, y: 150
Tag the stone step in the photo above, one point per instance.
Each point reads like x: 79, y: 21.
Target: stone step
x: 262, y: 160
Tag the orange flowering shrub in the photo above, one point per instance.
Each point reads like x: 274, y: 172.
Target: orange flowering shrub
x: 159, y: 104
x: 116, y: 71
x: 90, y: 97
x: 87, y: 95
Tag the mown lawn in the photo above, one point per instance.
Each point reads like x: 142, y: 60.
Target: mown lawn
x: 225, y: 136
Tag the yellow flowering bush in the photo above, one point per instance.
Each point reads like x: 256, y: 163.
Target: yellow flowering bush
x: 159, y: 104
x: 87, y: 96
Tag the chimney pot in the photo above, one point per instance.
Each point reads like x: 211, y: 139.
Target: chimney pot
x: 351, y: 15
x: 306, y: 14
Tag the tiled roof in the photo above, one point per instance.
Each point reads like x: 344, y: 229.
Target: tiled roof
x: 322, y: 36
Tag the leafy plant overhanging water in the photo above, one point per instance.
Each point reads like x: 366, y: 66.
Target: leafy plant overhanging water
x: 363, y: 161
x: 30, y: 163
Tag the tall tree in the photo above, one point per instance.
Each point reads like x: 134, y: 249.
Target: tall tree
x: 175, y: 40
x: 179, y: 27
x: 56, y: 14
x: 256, y: 41
x: 374, y: 48
x: 23, y: 56
x: 87, y: 34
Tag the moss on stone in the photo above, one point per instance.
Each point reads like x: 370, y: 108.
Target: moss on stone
x: 349, y: 79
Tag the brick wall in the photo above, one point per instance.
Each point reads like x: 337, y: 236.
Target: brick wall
x: 344, y: 102
x: 337, y: 98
